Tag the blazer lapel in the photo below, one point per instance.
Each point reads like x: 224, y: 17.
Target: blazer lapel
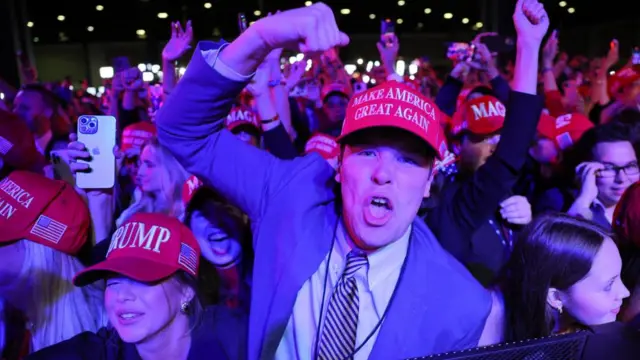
x: 313, y: 246
x: 411, y: 312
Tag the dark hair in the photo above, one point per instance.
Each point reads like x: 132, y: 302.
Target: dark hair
x: 48, y: 97
x: 229, y: 219
x: 554, y: 251
x: 482, y: 90
x: 195, y: 308
x: 583, y: 150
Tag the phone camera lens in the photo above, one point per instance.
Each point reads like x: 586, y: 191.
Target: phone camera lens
x: 92, y: 125
x: 83, y: 120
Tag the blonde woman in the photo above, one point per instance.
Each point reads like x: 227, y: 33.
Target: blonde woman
x: 151, y: 300
x: 160, y: 179
x: 44, y: 225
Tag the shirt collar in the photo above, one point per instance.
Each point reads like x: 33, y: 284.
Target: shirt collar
x: 383, y: 261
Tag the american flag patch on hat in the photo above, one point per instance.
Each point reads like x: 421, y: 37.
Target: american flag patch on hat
x: 5, y: 146
x: 48, y: 229
x: 188, y: 258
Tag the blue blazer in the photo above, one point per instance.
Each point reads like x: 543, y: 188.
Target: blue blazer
x: 438, y: 305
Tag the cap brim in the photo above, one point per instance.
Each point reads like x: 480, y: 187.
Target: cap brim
x: 138, y: 269
x: 243, y: 124
x: 344, y: 138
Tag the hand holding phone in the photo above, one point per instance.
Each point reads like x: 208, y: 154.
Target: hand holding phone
x: 387, y: 32
x: 635, y: 56
x: 242, y: 22
x: 98, y: 135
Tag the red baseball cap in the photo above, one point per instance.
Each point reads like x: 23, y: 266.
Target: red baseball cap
x: 325, y: 145
x: 396, y: 105
x: 45, y: 211
x: 189, y: 188
x: 242, y: 115
x: 564, y: 130
x: 622, y: 78
x: 334, y: 88
x: 17, y: 146
x: 136, y: 135
x: 483, y: 115
x: 147, y: 248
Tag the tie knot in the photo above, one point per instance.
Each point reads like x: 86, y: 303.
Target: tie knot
x: 355, y: 260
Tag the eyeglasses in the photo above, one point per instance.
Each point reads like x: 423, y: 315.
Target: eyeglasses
x: 612, y: 171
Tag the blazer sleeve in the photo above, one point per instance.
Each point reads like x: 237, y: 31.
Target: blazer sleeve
x: 191, y: 126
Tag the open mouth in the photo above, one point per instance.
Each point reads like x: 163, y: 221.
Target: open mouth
x: 378, y: 210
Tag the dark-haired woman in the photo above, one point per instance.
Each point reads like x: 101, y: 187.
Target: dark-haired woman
x: 563, y: 276
x: 151, y: 300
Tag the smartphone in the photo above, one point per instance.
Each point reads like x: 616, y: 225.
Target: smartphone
x: 459, y: 51
x: 635, y: 56
x: 61, y: 168
x: 387, y: 32
x: 98, y: 134
x: 242, y: 22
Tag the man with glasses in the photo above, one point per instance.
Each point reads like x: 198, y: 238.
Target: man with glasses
x: 610, y: 167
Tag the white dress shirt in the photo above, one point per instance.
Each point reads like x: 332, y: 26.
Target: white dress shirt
x: 376, y: 284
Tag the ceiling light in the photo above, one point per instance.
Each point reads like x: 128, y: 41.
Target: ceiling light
x: 479, y: 25
x: 465, y: 21
x: 60, y: 17
x: 257, y: 13
x: 141, y: 32
x: 399, y: 21
x: 207, y: 5
x: 307, y: 3
x: 571, y: 10
x: 400, y: 2
x: 30, y: 24
x: 562, y: 3
x: 345, y: 11
x: 90, y: 28
x: 372, y: 16
x: 99, y: 7
x: 163, y: 15
x: 36, y: 39
x: 448, y: 16
x: 427, y: 11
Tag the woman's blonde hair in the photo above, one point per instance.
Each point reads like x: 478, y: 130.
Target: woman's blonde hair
x: 169, y: 200
x: 58, y: 309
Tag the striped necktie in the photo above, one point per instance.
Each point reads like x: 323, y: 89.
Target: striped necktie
x: 338, y: 337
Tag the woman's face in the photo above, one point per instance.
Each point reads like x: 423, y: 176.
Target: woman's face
x: 12, y: 255
x: 150, y: 173
x: 217, y: 247
x: 140, y: 311
x: 597, y: 298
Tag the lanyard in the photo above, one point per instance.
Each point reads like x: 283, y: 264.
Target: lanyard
x: 505, y: 234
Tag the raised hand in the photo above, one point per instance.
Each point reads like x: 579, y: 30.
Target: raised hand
x: 550, y: 49
x: 531, y: 22
x: 179, y: 43
x: 309, y: 29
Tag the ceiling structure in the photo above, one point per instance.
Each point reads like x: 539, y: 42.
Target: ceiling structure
x: 120, y: 20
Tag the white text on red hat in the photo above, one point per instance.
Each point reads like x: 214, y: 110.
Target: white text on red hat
x: 16, y: 192
x: 389, y: 109
x: 488, y: 109
x: 241, y: 115
x: 562, y: 121
x: 135, y: 235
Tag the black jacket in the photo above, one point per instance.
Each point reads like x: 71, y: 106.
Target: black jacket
x: 465, y: 221
x: 221, y: 335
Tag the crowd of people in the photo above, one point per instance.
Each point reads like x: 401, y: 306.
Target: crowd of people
x: 263, y: 211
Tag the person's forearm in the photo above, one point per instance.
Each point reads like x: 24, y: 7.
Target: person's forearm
x: 525, y: 78
x: 246, y: 53
x: 168, y: 76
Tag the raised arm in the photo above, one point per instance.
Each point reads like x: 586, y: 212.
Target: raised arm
x: 190, y: 124
x: 479, y: 197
